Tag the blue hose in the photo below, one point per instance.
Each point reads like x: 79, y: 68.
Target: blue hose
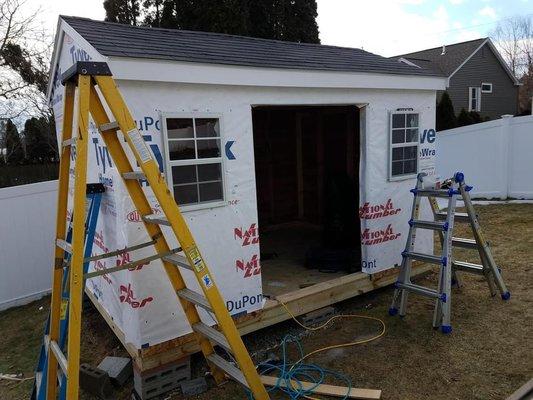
x: 290, y: 375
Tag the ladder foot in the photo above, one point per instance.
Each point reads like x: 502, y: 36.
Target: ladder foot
x: 393, y: 311
x: 446, y: 329
x: 506, y: 296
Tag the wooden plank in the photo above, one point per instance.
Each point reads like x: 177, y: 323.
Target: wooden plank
x: 299, y: 302
x: 524, y: 393
x: 328, y: 390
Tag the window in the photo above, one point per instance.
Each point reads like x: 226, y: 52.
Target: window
x: 486, y: 87
x: 403, y: 145
x: 474, y: 99
x: 194, y: 159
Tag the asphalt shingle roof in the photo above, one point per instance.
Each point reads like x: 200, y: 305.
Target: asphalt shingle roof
x: 118, y: 40
x: 454, y: 56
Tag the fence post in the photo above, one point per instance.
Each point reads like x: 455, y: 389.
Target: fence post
x: 507, y: 148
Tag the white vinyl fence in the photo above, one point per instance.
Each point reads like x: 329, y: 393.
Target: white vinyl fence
x: 27, y: 229
x: 496, y: 157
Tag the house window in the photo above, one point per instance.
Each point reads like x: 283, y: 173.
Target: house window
x: 474, y: 99
x: 194, y: 160
x: 403, y: 144
x: 486, y: 87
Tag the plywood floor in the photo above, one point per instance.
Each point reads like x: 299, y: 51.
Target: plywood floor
x: 283, y: 252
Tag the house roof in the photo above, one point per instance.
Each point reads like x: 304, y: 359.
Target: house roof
x: 118, y: 40
x: 455, y: 55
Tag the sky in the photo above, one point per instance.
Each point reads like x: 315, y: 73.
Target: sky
x: 385, y: 27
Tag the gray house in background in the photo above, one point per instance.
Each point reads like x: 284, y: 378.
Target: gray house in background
x: 478, y: 77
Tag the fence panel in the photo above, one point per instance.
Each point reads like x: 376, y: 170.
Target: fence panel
x: 495, y: 157
x: 27, y: 230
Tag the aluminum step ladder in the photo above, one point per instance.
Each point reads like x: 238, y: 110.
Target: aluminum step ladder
x: 444, y: 223
x: 94, y: 194
x: 93, y: 84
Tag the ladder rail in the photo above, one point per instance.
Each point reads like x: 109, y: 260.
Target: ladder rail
x: 171, y: 210
x: 142, y: 205
x: 61, y: 227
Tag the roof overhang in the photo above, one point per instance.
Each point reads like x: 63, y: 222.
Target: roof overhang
x: 139, y: 69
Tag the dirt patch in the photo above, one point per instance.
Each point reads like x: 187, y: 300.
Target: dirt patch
x: 488, y: 356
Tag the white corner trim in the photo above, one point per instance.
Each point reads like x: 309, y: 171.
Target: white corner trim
x: 62, y: 28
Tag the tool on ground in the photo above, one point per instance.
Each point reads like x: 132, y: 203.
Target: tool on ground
x: 85, y: 78
x: 94, y: 193
x: 444, y: 223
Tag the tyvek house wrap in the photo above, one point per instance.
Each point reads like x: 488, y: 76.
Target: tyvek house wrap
x: 141, y: 301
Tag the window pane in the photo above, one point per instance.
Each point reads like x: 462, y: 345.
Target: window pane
x: 411, y: 135
x: 179, y: 128
x: 209, y: 172
x: 398, y: 120
x: 211, y: 191
x: 409, y: 153
x: 207, y: 127
x: 181, y: 149
x: 397, y: 168
x: 184, y: 174
x: 186, y: 194
x: 412, y: 120
x: 398, y: 136
x: 397, y: 153
x: 208, y: 148
x: 409, y: 167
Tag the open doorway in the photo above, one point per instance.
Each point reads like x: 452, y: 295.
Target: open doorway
x: 307, y: 180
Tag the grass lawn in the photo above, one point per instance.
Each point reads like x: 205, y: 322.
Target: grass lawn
x: 488, y: 356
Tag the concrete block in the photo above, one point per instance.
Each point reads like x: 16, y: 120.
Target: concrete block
x: 317, y: 316
x: 155, y: 382
x: 119, y: 369
x: 96, y: 382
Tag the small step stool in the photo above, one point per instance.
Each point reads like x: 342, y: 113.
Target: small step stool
x: 444, y: 223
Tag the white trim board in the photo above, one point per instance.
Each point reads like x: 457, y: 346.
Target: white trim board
x: 498, y: 56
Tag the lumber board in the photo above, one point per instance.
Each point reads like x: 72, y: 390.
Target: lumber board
x: 328, y: 390
x: 299, y: 302
x: 525, y: 392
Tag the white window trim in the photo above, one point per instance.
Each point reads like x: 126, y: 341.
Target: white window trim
x: 168, y: 163
x: 478, y: 102
x: 395, y: 145
x: 486, y: 91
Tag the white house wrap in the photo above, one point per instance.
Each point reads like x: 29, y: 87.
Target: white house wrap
x: 218, y: 96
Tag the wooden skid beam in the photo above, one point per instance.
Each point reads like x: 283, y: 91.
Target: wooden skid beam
x: 328, y: 390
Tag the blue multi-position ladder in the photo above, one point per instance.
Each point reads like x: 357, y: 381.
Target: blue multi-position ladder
x: 94, y: 198
x: 443, y: 223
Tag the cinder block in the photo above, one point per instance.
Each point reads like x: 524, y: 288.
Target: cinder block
x: 157, y: 381
x: 194, y: 387
x: 119, y: 369
x: 317, y: 316
x: 95, y: 381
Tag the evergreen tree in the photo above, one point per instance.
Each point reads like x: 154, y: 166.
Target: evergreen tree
x: 289, y: 20
x: 40, y: 141
x: 123, y: 11
x: 464, y: 118
x: 445, y: 113
x: 11, y: 144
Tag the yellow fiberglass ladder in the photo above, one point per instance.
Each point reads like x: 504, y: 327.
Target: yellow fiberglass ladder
x: 85, y: 76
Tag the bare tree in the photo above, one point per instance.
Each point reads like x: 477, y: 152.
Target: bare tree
x: 514, y: 39
x: 24, y: 53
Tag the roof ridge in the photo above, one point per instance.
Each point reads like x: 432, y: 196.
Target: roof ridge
x: 220, y: 34
x: 481, y: 39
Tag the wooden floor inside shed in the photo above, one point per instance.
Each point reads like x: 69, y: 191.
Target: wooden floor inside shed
x: 283, y: 254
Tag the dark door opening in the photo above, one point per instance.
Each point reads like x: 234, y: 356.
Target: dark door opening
x: 307, y: 182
